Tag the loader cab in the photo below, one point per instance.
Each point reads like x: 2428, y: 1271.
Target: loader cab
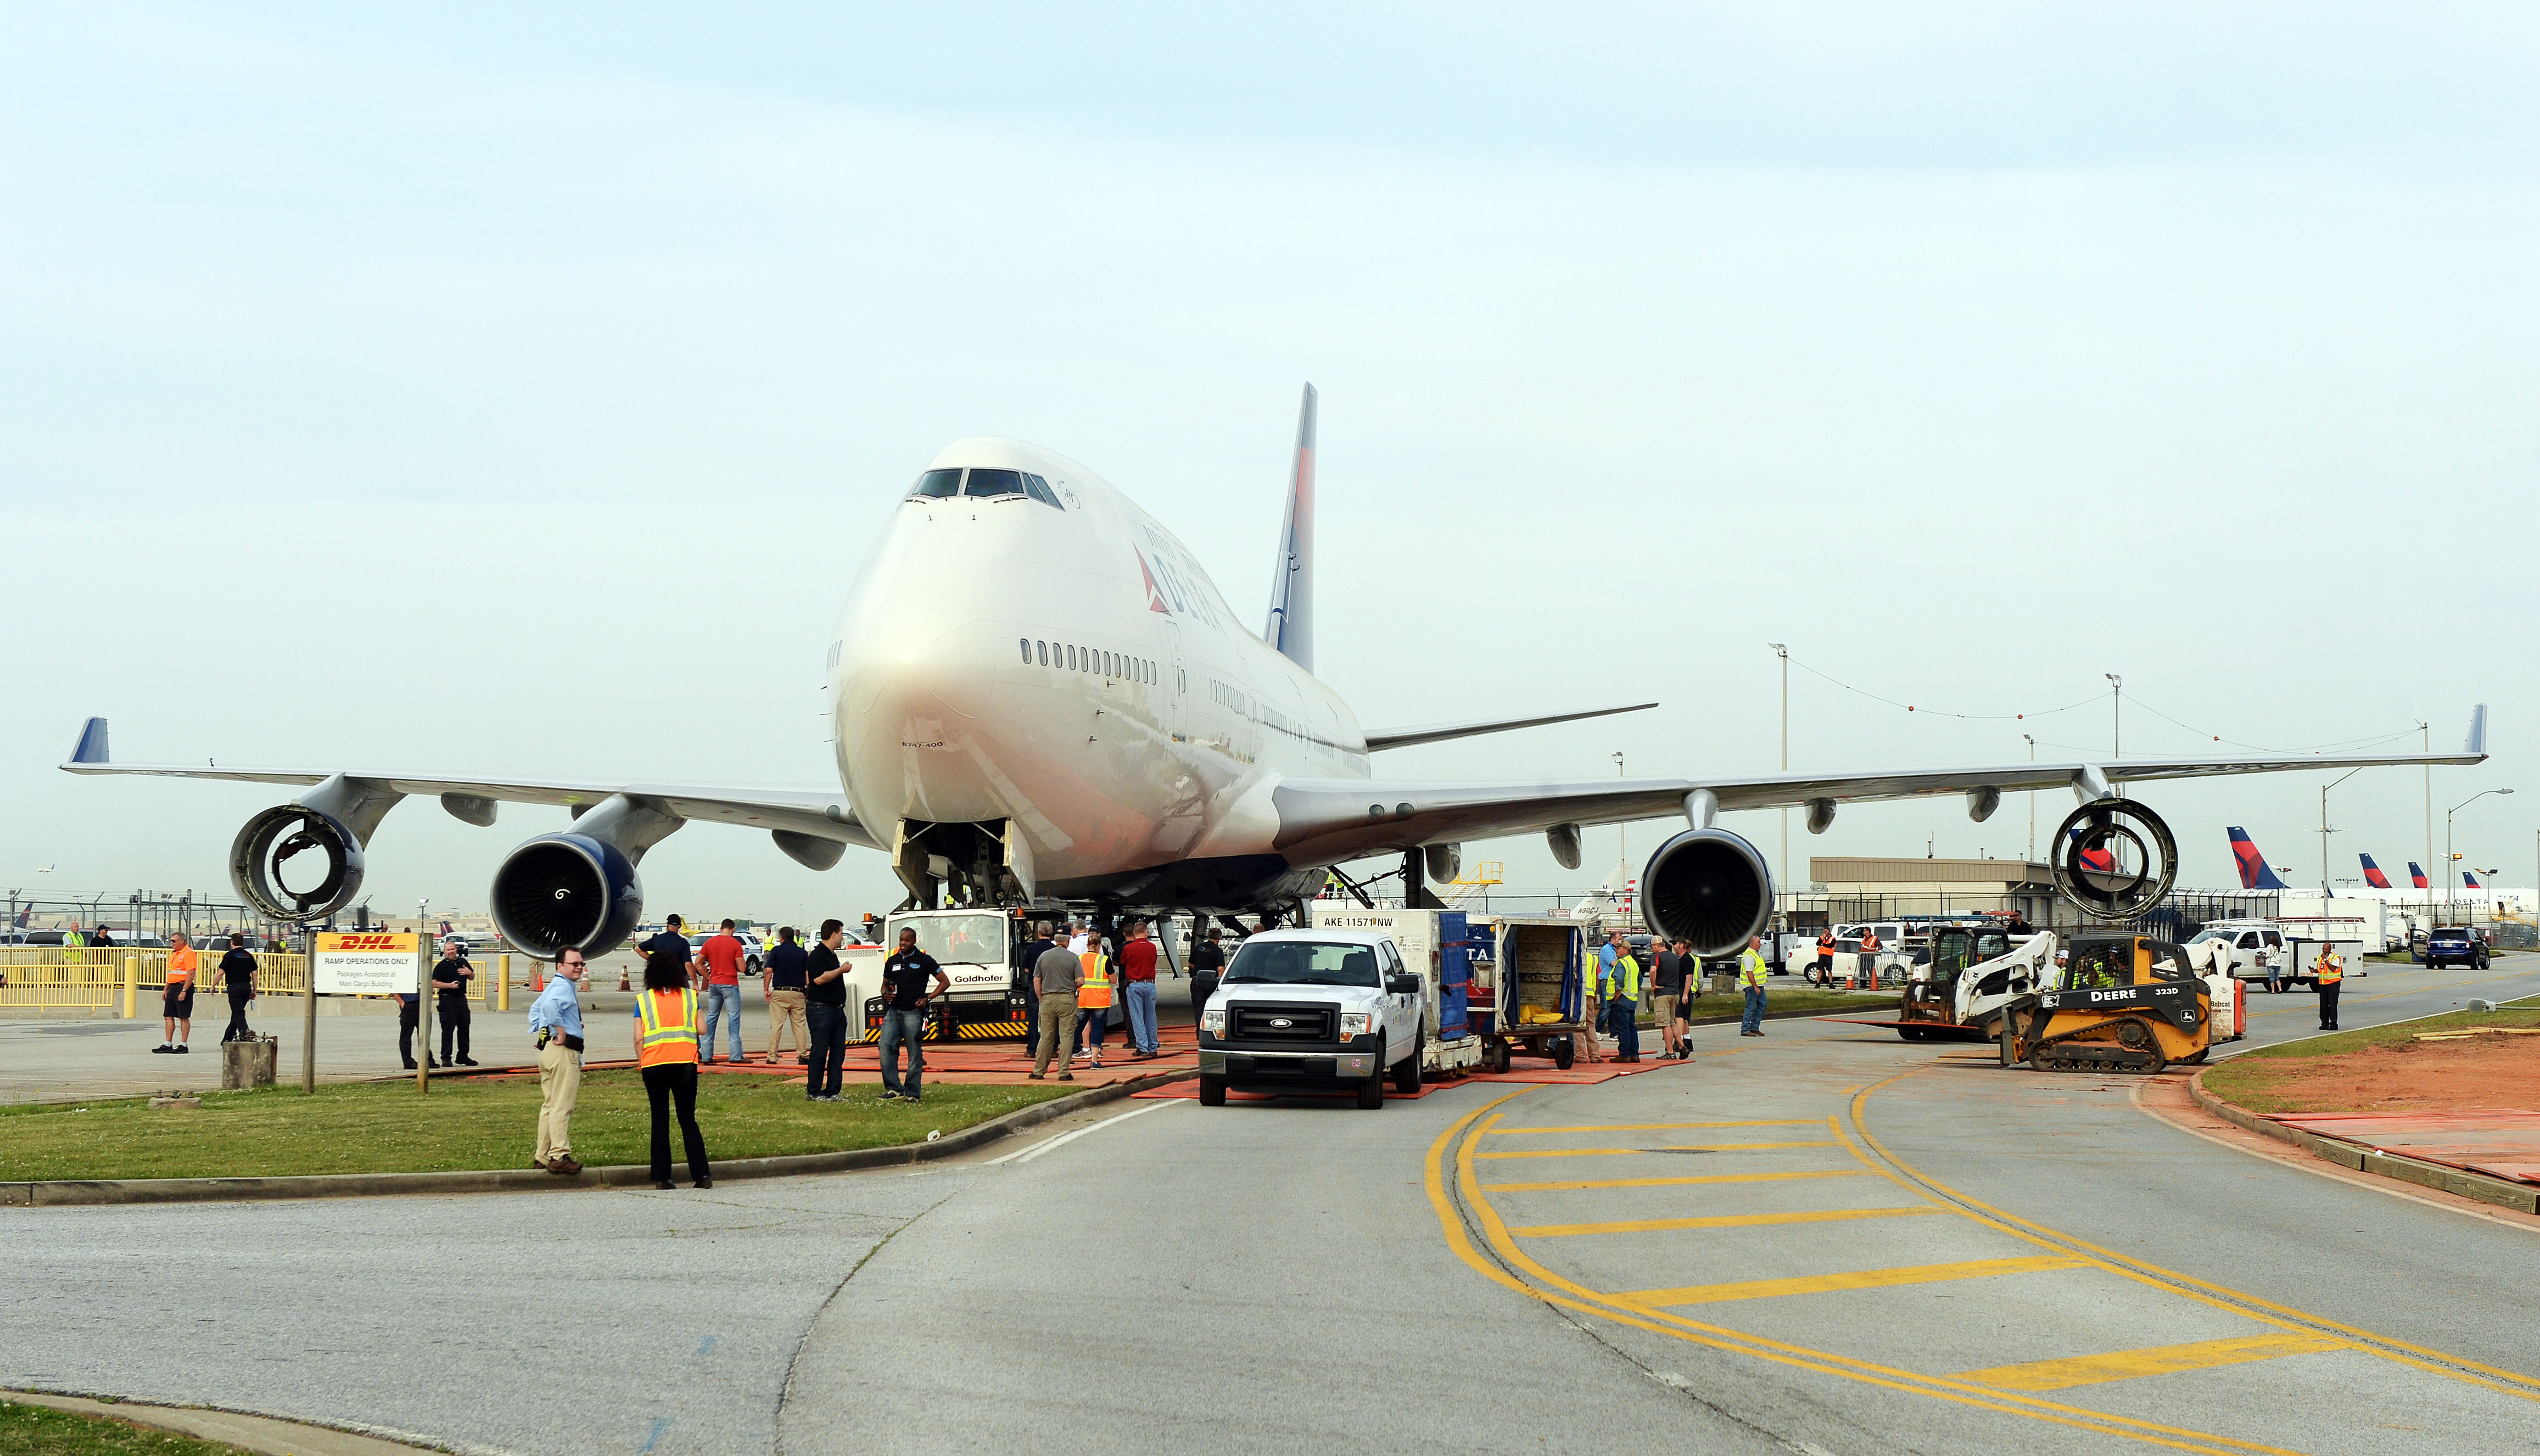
x: 2107, y: 962
x: 1956, y: 948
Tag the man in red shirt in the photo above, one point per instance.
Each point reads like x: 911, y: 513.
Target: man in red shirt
x: 722, y: 955
x: 1138, y: 975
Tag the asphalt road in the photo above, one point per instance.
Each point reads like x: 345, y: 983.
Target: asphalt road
x: 1830, y: 1241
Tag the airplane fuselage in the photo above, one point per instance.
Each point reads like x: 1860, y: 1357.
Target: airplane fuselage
x: 1055, y: 661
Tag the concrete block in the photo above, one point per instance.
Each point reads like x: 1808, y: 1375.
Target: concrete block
x: 247, y: 1064
x: 2405, y: 1169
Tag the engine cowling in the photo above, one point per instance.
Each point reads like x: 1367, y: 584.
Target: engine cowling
x: 264, y: 847
x: 1710, y: 887
x: 2114, y: 858
x: 566, y: 891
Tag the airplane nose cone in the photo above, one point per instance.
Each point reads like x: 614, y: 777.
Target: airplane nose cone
x: 910, y: 700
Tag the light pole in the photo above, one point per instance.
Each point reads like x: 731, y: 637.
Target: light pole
x: 2324, y: 893
x: 2032, y: 802
x: 1622, y: 854
x: 2427, y: 736
x: 2448, y: 832
x: 2116, y: 714
x: 1783, y: 653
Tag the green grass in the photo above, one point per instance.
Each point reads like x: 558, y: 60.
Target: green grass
x: 2251, y: 1079
x: 1782, y: 999
x: 464, y: 1123
x: 36, y: 1430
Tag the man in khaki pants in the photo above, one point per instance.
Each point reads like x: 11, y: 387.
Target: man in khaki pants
x: 786, y: 978
x: 555, y: 1019
x: 1055, y: 979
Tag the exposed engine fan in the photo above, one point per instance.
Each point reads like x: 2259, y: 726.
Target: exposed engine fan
x: 566, y: 891
x: 2114, y: 858
x: 1710, y: 887
x: 259, y: 857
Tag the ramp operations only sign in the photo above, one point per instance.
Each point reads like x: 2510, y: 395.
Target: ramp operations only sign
x: 363, y: 964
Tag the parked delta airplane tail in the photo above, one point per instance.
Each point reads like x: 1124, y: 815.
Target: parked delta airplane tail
x: 2469, y: 880
x: 2255, y: 873
x: 2372, y: 875
x: 2417, y: 877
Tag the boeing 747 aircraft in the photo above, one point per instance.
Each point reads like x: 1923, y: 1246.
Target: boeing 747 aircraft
x: 1040, y: 699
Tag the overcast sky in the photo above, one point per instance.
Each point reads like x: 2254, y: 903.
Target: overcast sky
x: 513, y: 389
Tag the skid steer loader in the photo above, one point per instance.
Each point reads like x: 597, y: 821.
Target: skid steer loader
x: 2121, y: 1004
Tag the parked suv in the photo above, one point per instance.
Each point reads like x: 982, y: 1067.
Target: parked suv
x: 2460, y: 945
x: 1312, y: 1009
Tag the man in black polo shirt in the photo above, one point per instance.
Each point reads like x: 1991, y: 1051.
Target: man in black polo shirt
x: 909, y: 980
x: 784, y: 987
x: 1023, y: 964
x: 670, y: 949
x: 1207, y: 963
x: 824, y: 1009
x: 450, y: 978
x: 238, y: 977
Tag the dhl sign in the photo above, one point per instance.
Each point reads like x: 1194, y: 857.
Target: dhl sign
x: 364, y: 964
x: 373, y: 941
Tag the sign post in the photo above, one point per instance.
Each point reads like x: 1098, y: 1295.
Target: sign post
x: 309, y: 1011
x: 357, y: 964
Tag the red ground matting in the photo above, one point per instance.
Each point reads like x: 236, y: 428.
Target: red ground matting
x: 2501, y: 1142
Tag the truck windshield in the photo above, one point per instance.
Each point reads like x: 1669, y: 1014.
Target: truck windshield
x: 1303, y: 963
x: 969, y: 939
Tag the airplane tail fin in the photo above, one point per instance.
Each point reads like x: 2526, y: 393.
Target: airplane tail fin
x: 2416, y: 875
x: 2255, y: 873
x: 2469, y: 880
x: 1291, y: 629
x: 2372, y: 875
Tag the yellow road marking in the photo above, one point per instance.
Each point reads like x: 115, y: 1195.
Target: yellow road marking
x: 1859, y: 1279
x: 1669, y: 1182
x: 2203, y: 1292
x: 1627, y: 1151
x: 1563, y: 1295
x: 1727, y: 1220
x: 2160, y: 1359
x: 1769, y: 1122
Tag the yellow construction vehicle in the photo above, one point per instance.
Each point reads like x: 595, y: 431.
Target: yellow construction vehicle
x: 2120, y: 1004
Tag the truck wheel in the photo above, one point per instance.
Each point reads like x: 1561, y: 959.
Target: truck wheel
x: 1212, y: 1091
x: 1496, y: 1056
x: 1406, y: 1075
x: 1371, y: 1090
x: 1563, y: 1052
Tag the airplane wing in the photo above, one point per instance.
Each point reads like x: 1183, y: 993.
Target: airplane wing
x: 1339, y: 818
x: 818, y: 814
x: 1438, y: 732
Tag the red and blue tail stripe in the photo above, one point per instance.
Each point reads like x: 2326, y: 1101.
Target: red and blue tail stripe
x: 2416, y: 875
x: 2255, y: 873
x: 2372, y: 875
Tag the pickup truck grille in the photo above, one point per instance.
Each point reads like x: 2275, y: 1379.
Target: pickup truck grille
x: 1305, y: 1024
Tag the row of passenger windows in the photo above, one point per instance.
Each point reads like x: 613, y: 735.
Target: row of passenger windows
x: 1074, y: 659
x: 937, y: 485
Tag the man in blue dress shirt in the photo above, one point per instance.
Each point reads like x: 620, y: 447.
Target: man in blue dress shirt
x: 555, y: 1019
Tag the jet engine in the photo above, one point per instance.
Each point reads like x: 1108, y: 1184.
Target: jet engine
x: 567, y: 890
x: 281, y: 834
x: 2114, y: 858
x: 1710, y: 887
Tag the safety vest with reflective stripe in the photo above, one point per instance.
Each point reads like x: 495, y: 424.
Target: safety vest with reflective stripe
x: 665, y: 1026
x: 2330, y: 969
x: 1750, y: 969
x: 1825, y: 944
x: 1623, y: 979
x: 1095, y: 994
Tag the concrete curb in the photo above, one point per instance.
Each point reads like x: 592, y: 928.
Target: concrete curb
x: 259, y: 1434
x: 89, y: 1193
x: 2522, y: 1198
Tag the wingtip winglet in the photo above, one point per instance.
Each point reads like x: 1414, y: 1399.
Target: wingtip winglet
x: 91, y: 748
x: 2477, y: 731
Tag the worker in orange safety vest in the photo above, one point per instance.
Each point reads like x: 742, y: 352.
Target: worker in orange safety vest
x: 665, y: 1049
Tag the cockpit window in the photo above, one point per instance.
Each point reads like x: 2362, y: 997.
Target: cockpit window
x: 935, y: 485
x: 995, y: 483
x: 1038, y: 489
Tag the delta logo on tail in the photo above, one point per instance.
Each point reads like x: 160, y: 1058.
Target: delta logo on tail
x: 2372, y: 875
x: 2255, y: 873
x: 2416, y: 875
x: 2470, y: 882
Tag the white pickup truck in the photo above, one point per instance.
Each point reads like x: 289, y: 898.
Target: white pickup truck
x: 1316, y: 1009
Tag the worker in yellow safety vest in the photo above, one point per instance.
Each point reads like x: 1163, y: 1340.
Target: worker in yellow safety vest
x: 1094, y: 999
x: 73, y: 944
x: 2330, y: 971
x: 1622, y: 991
x: 1750, y: 983
x: 665, y: 1049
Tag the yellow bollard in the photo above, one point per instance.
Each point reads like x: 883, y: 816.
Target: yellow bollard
x: 503, y: 981
x: 131, y: 986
